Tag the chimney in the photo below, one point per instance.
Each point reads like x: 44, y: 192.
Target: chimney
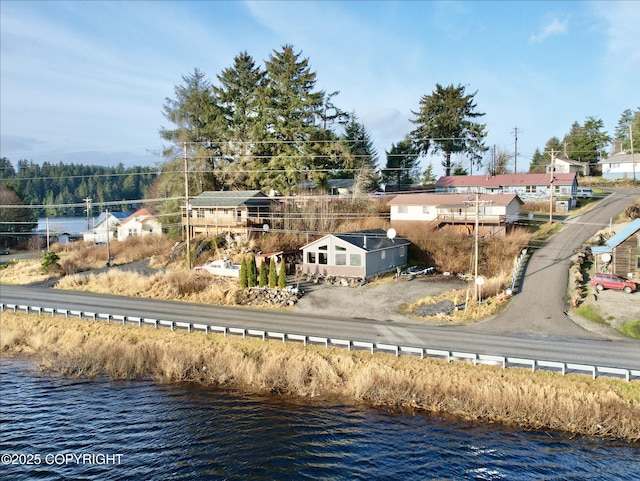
x: 364, y: 242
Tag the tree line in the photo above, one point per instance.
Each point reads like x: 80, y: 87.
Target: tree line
x: 58, y: 185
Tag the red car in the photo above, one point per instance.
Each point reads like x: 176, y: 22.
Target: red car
x: 611, y: 281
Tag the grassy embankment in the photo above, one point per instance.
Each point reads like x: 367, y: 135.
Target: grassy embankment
x: 518, y: 397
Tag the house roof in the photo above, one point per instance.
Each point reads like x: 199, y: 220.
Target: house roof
x: 230, y: 198
x: 367, y: 240
x: 497, y: 181
x: 451, y: 199
x: 117, y: 215
x: 340, y: 183
x: 143, y: 213
x: 570, y: 161
x: 618, y: 239
x: 621, y: 158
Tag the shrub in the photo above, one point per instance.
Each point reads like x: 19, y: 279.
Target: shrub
x: 273, y: 273
x: 263, y: 274
x: 243, y: 274
x: 282, y: 278
x: 49, y: 261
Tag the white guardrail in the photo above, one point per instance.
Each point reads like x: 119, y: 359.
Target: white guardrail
x: 504, y: 361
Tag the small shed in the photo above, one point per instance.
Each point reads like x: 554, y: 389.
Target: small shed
x: 620, y: 254
x: 362, y: 254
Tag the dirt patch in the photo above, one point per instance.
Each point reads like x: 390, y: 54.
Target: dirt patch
x: 380, y: 300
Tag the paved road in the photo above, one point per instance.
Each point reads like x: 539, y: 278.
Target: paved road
x: 540, y: 308
x: 534, y: 326
x: 624, y: 354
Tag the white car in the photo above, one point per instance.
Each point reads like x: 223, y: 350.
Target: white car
x: 584, y: 193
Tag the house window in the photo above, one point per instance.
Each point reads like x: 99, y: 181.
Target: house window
x: 212, y: 212
x: 355, y: 260
x: 311, y: 257
x: 225, y: 211
x: 341, y: 259
x: 403, y: 209
x: 322, y: 248
x: 425, y: 209
x: 200, y: 213
x: 340, y: 249
x: 530, y: 189
x: 322, y: 258
x: 239, y: 213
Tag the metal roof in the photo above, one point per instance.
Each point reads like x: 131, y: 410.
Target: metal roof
x: 367, y: 240
x: 230, y: 198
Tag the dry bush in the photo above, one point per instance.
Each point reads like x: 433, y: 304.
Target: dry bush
x: 82, y: 348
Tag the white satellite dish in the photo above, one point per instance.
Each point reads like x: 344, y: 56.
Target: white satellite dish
x: 606, y: 257
x: 391, y: 233
x: 265, y: 227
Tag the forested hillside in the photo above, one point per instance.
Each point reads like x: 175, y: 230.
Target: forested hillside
x: 59, y: 185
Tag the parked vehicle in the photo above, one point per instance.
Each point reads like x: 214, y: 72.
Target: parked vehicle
x: 584, y: 193
x: 418, y: 271
x: 223, y: 267
x: 4, y: 252
x: 611, y: 281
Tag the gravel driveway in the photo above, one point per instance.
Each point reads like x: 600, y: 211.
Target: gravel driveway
x: 378, y: 301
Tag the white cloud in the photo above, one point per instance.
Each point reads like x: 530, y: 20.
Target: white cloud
x: 554, y: 27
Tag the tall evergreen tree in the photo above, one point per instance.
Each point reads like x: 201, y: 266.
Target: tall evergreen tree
x: 262, y: 277
x: 291, y: 107
x: 403, y: 162
x: 587, y: 142
x: 537, y: 163
x: 445, y: 123
x: 241, y: 120
x: 362, y: 158
x: 622, y: 138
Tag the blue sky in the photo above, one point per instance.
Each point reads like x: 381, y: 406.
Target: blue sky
x: 85, y: 81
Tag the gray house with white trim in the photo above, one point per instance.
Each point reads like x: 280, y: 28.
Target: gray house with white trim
x: 355, y: 254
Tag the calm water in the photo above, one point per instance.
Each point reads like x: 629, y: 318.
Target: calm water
x: 96, y: 429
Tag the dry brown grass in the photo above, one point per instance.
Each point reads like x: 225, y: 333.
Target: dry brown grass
x: 540, y: 400
x: 189, y: 286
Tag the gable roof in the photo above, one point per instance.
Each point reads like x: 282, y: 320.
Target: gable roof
x: 451, y: 199
x: 145, y: 213
x: 230, y: 198
x: 119, y: 216
x: 367, y: 240
x: 497, y: 181
x: 621, y: 158
x: 617, y: 239
x: 570, y: 162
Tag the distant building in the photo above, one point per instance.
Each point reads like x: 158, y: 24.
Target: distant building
x: 621, y: 166
x: 568, y: 166
x: 361, y: 254
x: 141, y: 223
x: 529, y: 187
x: 105, y: 224
x: 496, y: 213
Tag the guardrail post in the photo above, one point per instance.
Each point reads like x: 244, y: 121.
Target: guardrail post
x: 534, y: 363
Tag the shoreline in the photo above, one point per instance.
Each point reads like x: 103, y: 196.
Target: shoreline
x: 540, y: 400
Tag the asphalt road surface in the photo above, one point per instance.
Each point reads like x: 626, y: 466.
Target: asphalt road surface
x: 534, y: 326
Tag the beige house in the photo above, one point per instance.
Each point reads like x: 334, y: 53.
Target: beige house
x: 495, y: 213
x: 141, y: 223
x: 234, y: 212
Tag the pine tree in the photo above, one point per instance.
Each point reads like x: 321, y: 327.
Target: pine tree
x: 445, y: 124
x: 252, y: 271
x: 243, y: 274
x: 263, y: 274
x: 282, y: 278
x: 273, y: 273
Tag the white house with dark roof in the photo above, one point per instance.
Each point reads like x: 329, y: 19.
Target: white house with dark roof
x: 105, y: 223
x: 361, y: 254
x: 529, y: 187
x: 495, y: 213
x: 621, y: 166
x: 219, y: 212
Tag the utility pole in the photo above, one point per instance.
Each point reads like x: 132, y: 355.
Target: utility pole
x: 515, y: 152
x: 633, y: 155
x: 476, y: 241
x: 553, y: 168
x: 88, y: 201
x: 108, y: 239
x: 186, y: 205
